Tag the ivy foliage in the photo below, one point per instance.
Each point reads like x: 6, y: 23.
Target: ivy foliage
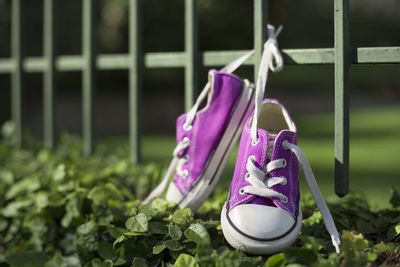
x: 62, y: 209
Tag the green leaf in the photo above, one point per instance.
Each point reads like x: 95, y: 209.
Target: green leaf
x: 106, y: 251
x: 173, y: 245
x: 159, y: 248
x: 313, y: 243
x: 31, y: 259
x: 56, y: 261
x: 119, y: 240
x: 27, y: 185
x: 351, y: 240
x: 87, y: 228
x: 59, y: 173
x: 41, y: 199
x: 133, y: 233
x: 158, y: 228
x: 372, y: 256
x: 13, y: 208
x: 197, y: 233
x: 174, y: 232
x: 277, y: 260
x: 300, y: 255
x: 385, y: 247
x: 185, y: 260
x: 139, y: 262
x: 148, y: 211
x: 393, y: 232
x: 161, y: 204
x: 182, y: 216
x: 138, y: 223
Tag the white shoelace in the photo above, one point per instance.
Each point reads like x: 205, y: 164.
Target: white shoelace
x: 271, y: 59
x: 177, y: 161
x: 260, y: 185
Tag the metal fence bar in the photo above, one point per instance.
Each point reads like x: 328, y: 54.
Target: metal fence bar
x: 342, y: 95
x: 311, y: 56
x: 192, y: 52
x: 135, y: 78
x: 16, y: 75
x: 88, y: 73
x: 48, y: 74
x: 260, y: 20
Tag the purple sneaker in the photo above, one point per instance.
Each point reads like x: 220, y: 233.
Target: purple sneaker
x: 262, y: 214
x: 206, y: 137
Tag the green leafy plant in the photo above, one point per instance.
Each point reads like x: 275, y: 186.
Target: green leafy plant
x: 61, y: 209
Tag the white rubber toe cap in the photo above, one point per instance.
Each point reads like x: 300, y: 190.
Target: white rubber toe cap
x: 173, y: 194
x: 261, y: 222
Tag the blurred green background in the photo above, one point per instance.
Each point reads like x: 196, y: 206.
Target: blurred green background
x: 226, y: 25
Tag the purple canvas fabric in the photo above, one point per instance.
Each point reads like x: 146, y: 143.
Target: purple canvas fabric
x: 246, y: 149
x: 207, y: 127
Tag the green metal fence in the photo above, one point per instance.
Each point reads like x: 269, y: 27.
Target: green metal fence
x: 341, y: 55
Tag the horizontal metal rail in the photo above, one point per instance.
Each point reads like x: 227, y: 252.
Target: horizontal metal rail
x: 361, y: 55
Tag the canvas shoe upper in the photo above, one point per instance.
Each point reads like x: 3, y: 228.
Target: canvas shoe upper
x: 262, y: 214
x: 206, y: 137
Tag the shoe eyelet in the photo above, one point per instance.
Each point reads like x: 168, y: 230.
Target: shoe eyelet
x: 284, y: 182
x: 284, y: 163
x: 252, y: 158
x: 187, y: 127
x: 256, y: 142
x: 241, y: 191
x: 185, y: 174
x: 284, y: 144
x: 247, y: 176
x: 284, y: 200
x: 186, y: 157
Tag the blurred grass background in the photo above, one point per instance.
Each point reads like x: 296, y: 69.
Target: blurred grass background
x: 374, y: 152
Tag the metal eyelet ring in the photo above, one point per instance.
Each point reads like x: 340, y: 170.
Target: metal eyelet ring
x: 284, y: 200
x: 284, y: 144
x: 247, y: 176
x: 252, y: 158
x: 256, y: 142
x: 187, y: 127
x: 284, y: 163
x: 185, y: 174
x: 284, y: 182
x: 241, y: 191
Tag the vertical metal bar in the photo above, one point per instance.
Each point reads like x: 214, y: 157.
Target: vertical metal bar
x: 48, y: 74
x: 260, y: 31
x: 88, y: 74
x: 16, y: 76
x: 342, y: 69
x: 192, y: 52
x: 135, y: 78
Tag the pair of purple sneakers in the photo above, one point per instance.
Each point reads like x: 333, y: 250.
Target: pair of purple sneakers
x: 262, y: 214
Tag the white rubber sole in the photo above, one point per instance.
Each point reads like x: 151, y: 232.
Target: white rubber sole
x: 258, y: 247
x: 215, y: 165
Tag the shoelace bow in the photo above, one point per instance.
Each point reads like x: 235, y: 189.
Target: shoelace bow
x: 260, y: 185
